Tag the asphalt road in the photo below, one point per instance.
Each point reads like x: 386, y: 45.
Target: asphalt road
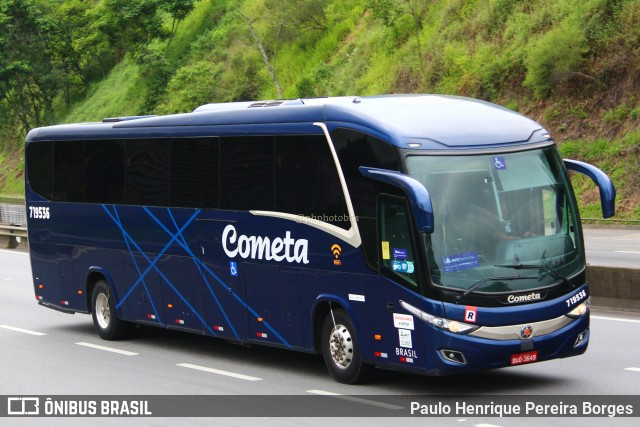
x: 44, y: 352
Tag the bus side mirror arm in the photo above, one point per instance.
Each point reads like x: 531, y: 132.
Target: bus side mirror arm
x: 419, y: 199
x: 602, y: 180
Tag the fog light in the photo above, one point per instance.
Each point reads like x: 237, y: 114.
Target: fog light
x: 581, y: 337
x: 453, y: 356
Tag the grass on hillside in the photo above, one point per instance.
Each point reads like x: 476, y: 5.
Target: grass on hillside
x: 122, y: 93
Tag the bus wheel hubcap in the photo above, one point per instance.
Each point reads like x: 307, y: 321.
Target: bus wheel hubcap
x: 341, y: 346
x: 103, y: 313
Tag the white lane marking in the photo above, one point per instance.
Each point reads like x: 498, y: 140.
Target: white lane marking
x: 485, y: 425
x: 627, y: 252
x: 24, y: 331
x: 14, y: 252
x: 632, y: 369
x: 220, y: 372
x: 615, y: 318
x: 101, y: 347
x: 355, y: 399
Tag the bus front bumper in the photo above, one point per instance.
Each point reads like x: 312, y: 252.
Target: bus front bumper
x: 457, y: 354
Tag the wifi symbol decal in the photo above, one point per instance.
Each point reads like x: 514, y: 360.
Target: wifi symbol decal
x: 336, y: 250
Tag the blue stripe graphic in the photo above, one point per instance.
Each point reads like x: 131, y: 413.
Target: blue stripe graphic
x: 203, y: 270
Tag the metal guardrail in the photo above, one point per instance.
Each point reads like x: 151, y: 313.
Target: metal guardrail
x: 611, y: 223
x: 15, y: 233
x: 13, y: 213
x: 13, y: 230
x: 13, y: 221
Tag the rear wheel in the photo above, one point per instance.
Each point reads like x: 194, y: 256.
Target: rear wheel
x: 103, y: 311
x: 341, y: 351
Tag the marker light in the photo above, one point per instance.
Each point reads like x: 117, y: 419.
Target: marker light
x: 442, y: 323
x: 580, y: 310
x: 377, y: 337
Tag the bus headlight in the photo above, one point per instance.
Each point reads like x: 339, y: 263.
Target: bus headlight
x: 440, y: 322
x: 579, y: 310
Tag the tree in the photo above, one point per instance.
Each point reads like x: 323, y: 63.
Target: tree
x: 29, y: 79
x: 391, y: 10
x: 130, y: 24
x: 178, y: 9
x: 263, y: 53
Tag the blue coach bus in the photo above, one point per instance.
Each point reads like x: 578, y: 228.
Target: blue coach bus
x: 433, y: 234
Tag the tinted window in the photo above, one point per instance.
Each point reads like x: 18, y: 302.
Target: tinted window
x: 357, y: 149
x: 307, y: 181
x: 397, y: 249
x: 104, y: 172
x: 147, y: 172
x: 68, y: 171
x: 40, y: 167
x: 247, y: 173
x: 195, y: 172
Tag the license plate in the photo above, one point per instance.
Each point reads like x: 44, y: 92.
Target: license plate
x: 522, y: 358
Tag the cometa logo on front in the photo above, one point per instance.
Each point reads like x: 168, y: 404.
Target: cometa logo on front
x: 535, y: 296
x: 258, y: 247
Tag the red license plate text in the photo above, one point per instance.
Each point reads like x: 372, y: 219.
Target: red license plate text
x: 527, y: 357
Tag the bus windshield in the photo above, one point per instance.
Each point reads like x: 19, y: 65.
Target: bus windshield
x: 503, y: 222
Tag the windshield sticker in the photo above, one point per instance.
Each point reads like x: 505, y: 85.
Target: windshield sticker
x: 403, y: 267
x: 459, y: 262
x: 405, y: 338
x: 385, y: 250
x: 400, y: 254
x: 499, y: 163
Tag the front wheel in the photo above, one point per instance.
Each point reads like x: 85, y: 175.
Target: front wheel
x: 103, y: 311
x: 341, y: 351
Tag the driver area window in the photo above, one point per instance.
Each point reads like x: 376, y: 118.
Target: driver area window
x: 398, y: 253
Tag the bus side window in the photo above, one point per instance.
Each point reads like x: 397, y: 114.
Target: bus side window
x: 307, y: 181
x: 247, y: 178
x: 355, y: 149
x: 68, y: 171
x: 397, y: 246
x: 40, y: 167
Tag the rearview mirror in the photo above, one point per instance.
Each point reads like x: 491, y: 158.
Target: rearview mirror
x: 602, y: 180
x: 419, y: 199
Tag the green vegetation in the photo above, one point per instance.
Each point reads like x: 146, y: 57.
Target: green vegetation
x: 573, y: 65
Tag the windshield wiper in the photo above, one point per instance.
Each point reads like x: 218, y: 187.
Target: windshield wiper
x: 481, y: 282
x: 545, y: 267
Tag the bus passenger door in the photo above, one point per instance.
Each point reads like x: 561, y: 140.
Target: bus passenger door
x: 398, y: 337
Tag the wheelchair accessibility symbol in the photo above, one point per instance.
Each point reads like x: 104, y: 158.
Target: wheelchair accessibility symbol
x: 233, y: 268
x: 499, y: 163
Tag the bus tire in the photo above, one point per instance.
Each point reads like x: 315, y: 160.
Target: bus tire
x: 341, y: 350
x: 103, y: 311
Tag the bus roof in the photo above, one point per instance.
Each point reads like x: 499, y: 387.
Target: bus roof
x: 416, y: 121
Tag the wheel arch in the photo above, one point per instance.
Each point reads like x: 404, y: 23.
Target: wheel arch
x: 321, y: 307
x: 94, y: 275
